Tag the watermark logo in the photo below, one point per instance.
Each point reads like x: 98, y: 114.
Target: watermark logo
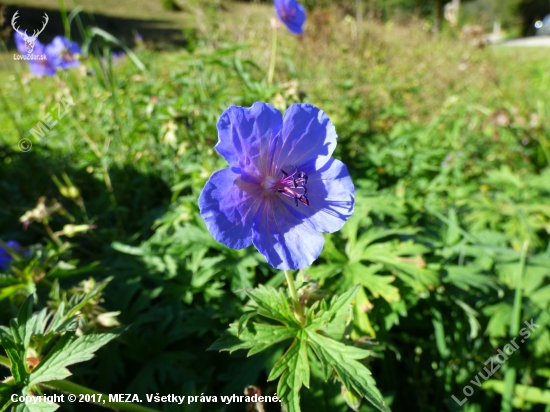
x: 500, y: 358
x: 29, y: 40
x: 47, y: 122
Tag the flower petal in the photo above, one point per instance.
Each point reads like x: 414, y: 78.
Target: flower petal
x: 228, y: 206
x: 245, y: 134
x: 292, y: 14
x: 285, y: 240
x: 308, y: 135
x: 20, y: 43
x: 331, y: 196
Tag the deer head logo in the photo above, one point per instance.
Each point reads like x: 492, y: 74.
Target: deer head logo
x: 29, y: 40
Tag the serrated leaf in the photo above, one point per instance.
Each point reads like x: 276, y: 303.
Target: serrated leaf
x: 243, y: 321
x: 256, y: 337
x: 337, y: 312
x: 273, y: 304
x: 16, y: 354
x: 351, y: 373
x: 378, y: 285
x: 68, y: 352
x: 23, y: 316
x: 293, y: 368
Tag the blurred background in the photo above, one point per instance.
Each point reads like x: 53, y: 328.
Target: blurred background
x: 443, y: 116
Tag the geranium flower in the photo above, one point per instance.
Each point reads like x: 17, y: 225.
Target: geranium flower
x: 282, y: 188
x: 292, y: 14
x: 40, y: 63
x: 5, y: 257
x: 63, y: 52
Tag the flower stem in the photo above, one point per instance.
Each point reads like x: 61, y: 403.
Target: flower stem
x: 273, y: 56
x: 75, y: 389
x: 294, y: 296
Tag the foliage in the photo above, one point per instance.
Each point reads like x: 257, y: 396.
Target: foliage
x: 35, y: 359
x: 449, y: 150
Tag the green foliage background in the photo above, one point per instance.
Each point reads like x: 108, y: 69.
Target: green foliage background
x: 448, y: 146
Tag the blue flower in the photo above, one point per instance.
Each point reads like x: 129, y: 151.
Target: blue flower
x: 292, y: 14
x: 282, y: 188
x: 5, y: 257
x: 40, y: 63
x: 63, y: 52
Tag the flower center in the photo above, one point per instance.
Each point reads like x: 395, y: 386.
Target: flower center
x: 292, y: 186
x: 287, y: 13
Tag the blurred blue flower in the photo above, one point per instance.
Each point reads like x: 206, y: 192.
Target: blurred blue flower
x: 5, y: 257
x: 63, y: 52
x: 115, y: 58
x: 292, y: 14
x: 40, y: 63
x: 282, y: 188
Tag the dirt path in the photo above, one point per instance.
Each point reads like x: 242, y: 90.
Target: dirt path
x: 539, y: 41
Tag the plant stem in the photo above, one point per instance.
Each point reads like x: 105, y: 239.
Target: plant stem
x: 294, y: 296
x: 271, y: 72
x: 75, y: 389
x: 5, y: 362
x: 510, y: 374
x: 64, y: 19
x: 54, y: 237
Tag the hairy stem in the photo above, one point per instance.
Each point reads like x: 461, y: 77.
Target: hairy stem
x: 298, y: 313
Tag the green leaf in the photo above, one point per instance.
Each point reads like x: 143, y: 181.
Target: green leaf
x: 353, y: 374
x: 522, y: 393
x: 256, y: 337
x: 378, y: 285
x: 293, y: 368
x: 16, y: 353
x: 42, y: 407
x: 334, y: 319
x: 23, y: 327
x: 5, y: 395
x: 68, y: 352
x: 273, y: 304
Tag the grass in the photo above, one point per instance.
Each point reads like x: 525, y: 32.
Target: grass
x: 448, y: 148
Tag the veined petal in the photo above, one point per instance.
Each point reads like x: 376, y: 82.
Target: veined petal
x: 307, y: 136
x: 244, y: 136
x: 331, y: 197
x: 285, y: 240
x: 228, y: 205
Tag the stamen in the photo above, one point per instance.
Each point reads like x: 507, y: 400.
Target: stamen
x: 293, y: 186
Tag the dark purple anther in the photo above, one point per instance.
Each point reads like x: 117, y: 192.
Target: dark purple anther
x: 289, y: 183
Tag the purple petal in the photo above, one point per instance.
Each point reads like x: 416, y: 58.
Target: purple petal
x: 5, y: 257
x: 228, y: 205
x: 292, y: 14
x: 284, y: 239
x: 331, y: 197
x: 42, y: 67
x: 244, y: 136
x: 308, y: 136
x: 61, y: 50
x: 20, y: 43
